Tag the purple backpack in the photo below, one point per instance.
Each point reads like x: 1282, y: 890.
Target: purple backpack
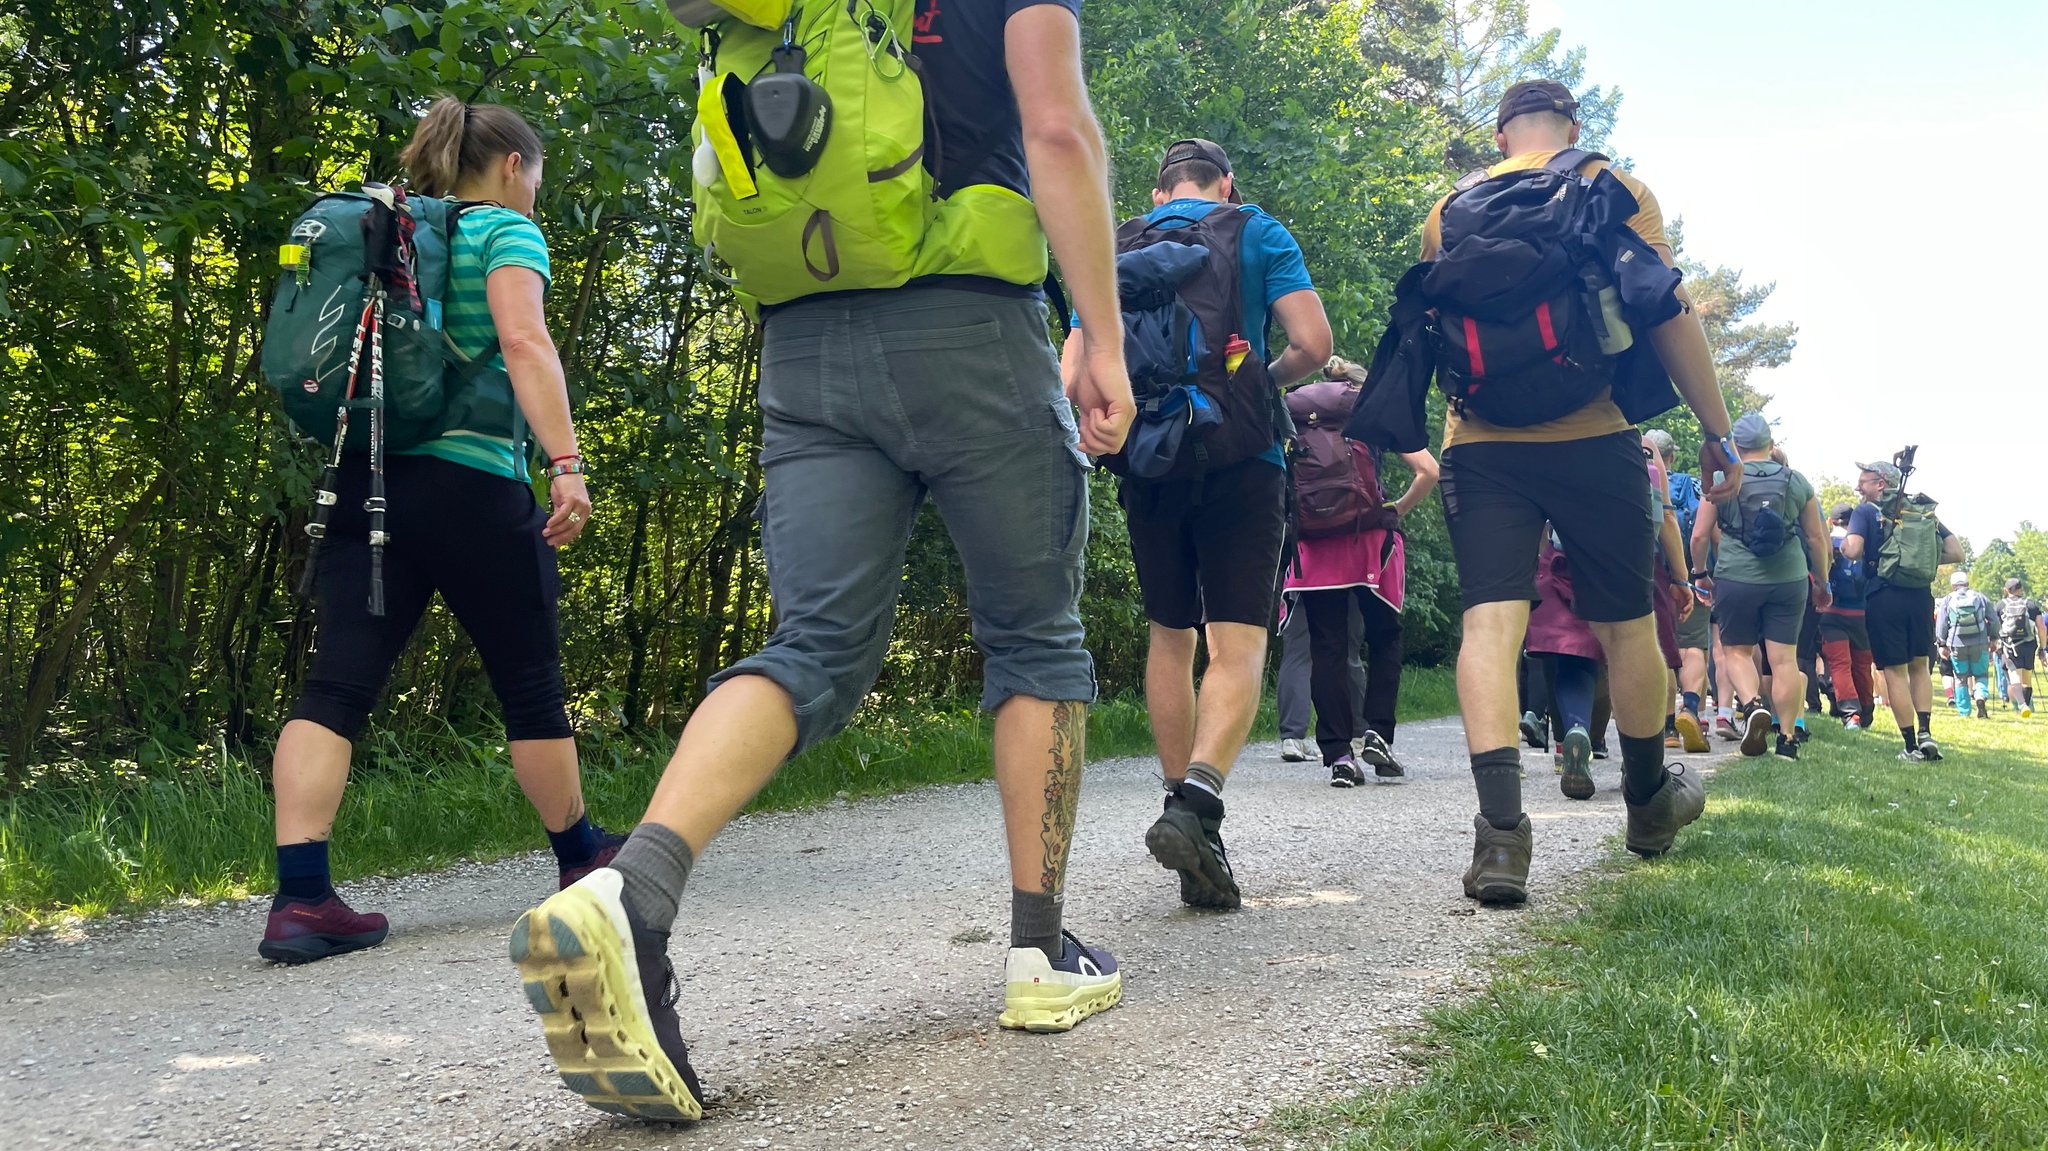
x: 1336, y: 481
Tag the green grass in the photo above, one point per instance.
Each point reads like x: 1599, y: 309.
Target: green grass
x: 128, y: 840
x: 1847, y: 953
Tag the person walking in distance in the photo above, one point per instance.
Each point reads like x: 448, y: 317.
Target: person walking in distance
x: 1291, y: 681
x: 1762, y: 581
x: 874, y: 395
x: 1351, y: 560
x: 1695, y: 628
x: 1964, y: 630
x: 1582, y: 472
x: 1207, y: 526
x: 1899, y: 611
x: 1844, y: 639
x: 2019, y: 626
x: 463, y: 523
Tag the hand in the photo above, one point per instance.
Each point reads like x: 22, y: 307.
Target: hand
x: 1703, y: 588
x: 569, y: 504
x: 1713, y: 458
x: 1102, y: 396
x: 1682, y: 597
x: 1823, y: 599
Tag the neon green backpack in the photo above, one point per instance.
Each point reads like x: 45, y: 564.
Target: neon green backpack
x: 821, y: 186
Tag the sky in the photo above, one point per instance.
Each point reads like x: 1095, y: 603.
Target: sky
x: 1882, y: 162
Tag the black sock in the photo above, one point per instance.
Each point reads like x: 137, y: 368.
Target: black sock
x: 1035, y: 922
x: 1204, y: 803
x: 575, y: 845
x: 2027, y: 698
x: 1926, y: 720
x: 1912, y: 738
x: 1498, y: 773
x: 302, y: 873
x: 1670, y: 723
x: 1642, y: 767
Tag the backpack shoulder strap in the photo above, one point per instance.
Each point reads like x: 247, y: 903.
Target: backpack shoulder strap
x: 1569, y: 161
x: 1471, y: 180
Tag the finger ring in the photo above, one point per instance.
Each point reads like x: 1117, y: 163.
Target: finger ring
x: 575, y: 517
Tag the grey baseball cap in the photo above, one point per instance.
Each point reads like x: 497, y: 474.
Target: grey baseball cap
x: 1751, y: 432
x: 1885, y: 469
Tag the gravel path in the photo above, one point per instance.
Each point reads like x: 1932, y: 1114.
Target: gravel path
x: 841, y: 976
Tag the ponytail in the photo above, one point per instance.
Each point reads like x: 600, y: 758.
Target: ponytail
x: 456, y: 139
x: 1340, y: 368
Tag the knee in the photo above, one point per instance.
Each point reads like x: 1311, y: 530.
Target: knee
x: 1171, y: 645
x: 1238, y: 646
x: 342, y: 708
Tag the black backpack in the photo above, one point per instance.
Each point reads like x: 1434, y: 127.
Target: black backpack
x: 1521, y: 334
x: 1178, y: 290
x: 1762, y: 516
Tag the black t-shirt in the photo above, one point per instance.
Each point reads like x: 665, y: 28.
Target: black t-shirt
x: 959, y: 45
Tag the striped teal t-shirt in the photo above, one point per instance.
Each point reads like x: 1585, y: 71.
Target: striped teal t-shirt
x: 486, y: 239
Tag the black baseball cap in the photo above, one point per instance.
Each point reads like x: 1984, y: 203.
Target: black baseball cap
x: 1195, y: 148
x: 1536, y: 96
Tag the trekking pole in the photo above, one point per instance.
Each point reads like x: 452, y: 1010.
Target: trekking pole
x: 324, y: 498
x: 375, y: 504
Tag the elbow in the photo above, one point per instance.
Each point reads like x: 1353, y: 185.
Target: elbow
x: 1317, y: 346
x: 1062, y: 138
x: 526, y: 346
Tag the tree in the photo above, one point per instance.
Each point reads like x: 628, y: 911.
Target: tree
x: 1741, y: 345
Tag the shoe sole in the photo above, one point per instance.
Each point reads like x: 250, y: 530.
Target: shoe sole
x: 579, y: 978
x: 1026, y: 1007
x: 1498, y: 892
x: 1756, y: 734
x: 1289, y: 758
x: 1729, y: 736
x: 313, y: 948
x: 1203, y: 883
x: 1577, y: 779
x: 1533, y: 736
x: 1690, y: 736
x: 1383, y: 765
x: 1346, y: 781
x: 1930, y: 750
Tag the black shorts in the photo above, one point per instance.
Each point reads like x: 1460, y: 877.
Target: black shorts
x: 1901, y: 623
x: 1834, y: 627
x: 2021, y: 656
x: 1594, y: 492
x: 1208, y: 550
x: 1750, y: 613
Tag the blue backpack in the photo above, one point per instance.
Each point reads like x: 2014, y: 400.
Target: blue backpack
x: 1685, y: 500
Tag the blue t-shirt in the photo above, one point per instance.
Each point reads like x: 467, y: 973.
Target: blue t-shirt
x: 1269, y: 267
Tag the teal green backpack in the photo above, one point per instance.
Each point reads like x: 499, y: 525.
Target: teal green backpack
x: 319, y: 323
x: 1911, y: 552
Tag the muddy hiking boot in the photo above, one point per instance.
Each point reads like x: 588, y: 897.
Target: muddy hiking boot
x: 1045, y: 995
x: 1500, y: 863
x: 1575, y: 777
x: 302, y: 931
x: 605, y: 992
x: 1654, y: 825
x: 1192, y: 844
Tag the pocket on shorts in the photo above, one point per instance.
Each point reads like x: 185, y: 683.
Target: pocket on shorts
x: 954, y: 378
x: 1068, y: 507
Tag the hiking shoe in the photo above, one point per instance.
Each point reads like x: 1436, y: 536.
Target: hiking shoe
x: 605, y: 992
x: 1756, y: 732
x: 2026, y: 711
x: 1652, y: 826
x: 1690, y: 734
x: 1671, y: 738
x: 1787, y: 748
x: 1374, y: 750
x: 1292, y: 751
x: 1910, y: 757
x: 1193, y: 846
x: 1600, y: 749
x: 1983, y: 712
x: 1725, y: 728
x: 299, y: 931
x: 1852, y: 722
x: 1346, y: 773
x: 609, y: 843
x: 1929, y: 750
x: 1535, y: 730
x: 1044, y: 995
x: 1800, y: 734
x: 1500, y: 863
x: 1576, y: 778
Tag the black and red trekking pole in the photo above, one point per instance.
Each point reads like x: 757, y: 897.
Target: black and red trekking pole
x: 383, y: 244
x: 325, y: 497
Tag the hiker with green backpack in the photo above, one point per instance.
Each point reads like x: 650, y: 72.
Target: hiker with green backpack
x: 1901, y: 545
x: 407, y: 332
x: 879, y: 180
x: 1965, y: 627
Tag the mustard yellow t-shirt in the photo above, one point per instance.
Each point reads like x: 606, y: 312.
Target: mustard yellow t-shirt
x: 1599, y: 418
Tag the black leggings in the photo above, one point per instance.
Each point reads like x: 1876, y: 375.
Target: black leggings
x: 1329, y: 638
x: 473, y: 537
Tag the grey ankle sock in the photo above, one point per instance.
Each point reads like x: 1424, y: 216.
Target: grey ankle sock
x: 1499, y: 776
x: 1207, y: 777
x: 656, y: 865
x: 1035, y: 922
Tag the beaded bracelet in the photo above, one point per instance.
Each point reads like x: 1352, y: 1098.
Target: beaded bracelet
x: 573, y: 467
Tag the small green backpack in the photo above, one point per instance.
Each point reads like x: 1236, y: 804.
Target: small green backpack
x: 321, y: 305
x: 822, y: 187
x: 1911, y: 553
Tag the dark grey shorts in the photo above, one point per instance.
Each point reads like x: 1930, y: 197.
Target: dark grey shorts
x: 1749, y: 613
x: 872, y: 401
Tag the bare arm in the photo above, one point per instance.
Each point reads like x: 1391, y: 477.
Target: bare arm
x: 1852, y: 547
x: 1674, y: 547
x: 1818, y: 552
x: 1069, y: 168
x: 1424, y: 466
x: 1705, y: 530
x: 1951, y: 549
x: 1681, y: 344
x: 1301, y: 316
x: 514, y: 295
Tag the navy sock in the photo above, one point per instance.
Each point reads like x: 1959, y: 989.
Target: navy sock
x: 1692, y: 702
x: 302, y: 872
x: 576, y: 844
